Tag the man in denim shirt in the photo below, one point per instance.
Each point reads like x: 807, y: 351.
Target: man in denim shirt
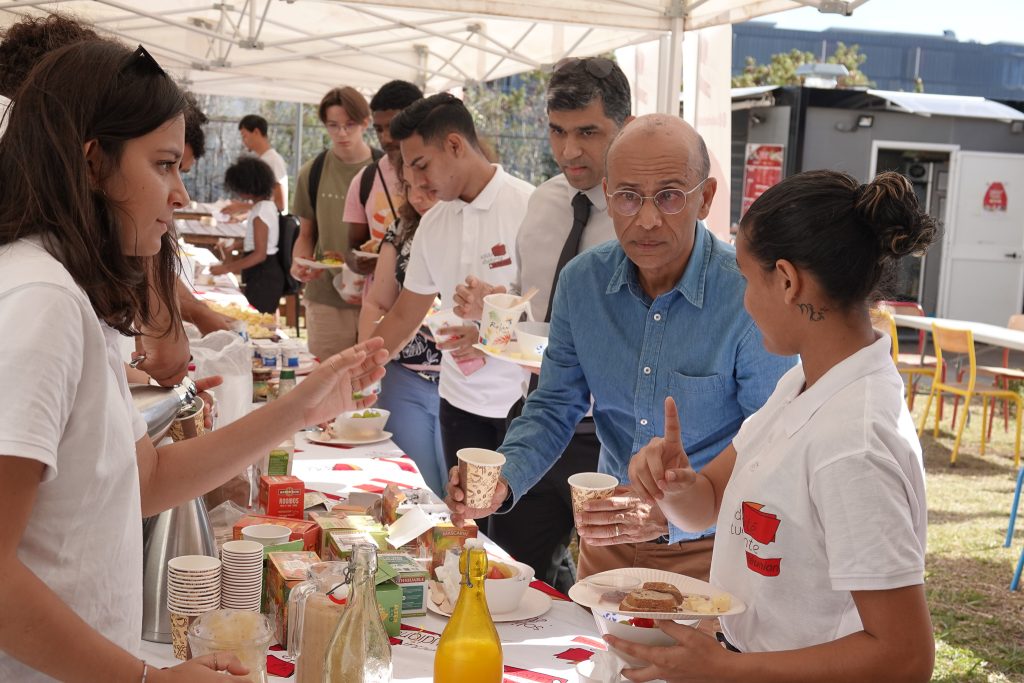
x: 657, y: 313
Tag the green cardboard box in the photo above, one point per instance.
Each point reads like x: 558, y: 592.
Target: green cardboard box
x: 411, y: 578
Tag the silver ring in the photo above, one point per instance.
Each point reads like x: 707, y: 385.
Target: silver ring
x: 616, y: 529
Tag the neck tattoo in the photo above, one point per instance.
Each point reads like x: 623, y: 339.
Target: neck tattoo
x: 813, y: 314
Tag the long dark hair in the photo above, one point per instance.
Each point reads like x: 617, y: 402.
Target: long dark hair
x: 94, y: 90
x: 408, y: 216
x: 848, y: 234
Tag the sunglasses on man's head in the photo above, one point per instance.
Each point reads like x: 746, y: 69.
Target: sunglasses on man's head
x: 598, y: 67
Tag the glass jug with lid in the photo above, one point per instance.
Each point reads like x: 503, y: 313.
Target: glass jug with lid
x: 314, y: 608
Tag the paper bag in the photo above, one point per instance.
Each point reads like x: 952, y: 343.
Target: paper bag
x: 226, y: 354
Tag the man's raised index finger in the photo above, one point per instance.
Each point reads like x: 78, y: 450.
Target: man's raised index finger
x: 672, y: 431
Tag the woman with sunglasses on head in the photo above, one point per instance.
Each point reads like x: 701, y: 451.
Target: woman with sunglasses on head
x: 820, y: 499
x: 89, y: 178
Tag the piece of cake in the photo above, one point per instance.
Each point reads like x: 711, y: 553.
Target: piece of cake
x: 642, y: 600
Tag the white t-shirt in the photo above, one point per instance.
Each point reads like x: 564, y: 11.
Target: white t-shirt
x: 827, y: 496
x: 456, y: 239
x: 68, y: 407
x: 267, y: 211
x: 277, y: 164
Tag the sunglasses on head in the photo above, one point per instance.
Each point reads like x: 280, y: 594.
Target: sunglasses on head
x: 142, y: 58
x: 598, y: 67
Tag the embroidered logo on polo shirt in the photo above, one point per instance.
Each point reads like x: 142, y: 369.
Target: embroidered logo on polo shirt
x: 498, y: 257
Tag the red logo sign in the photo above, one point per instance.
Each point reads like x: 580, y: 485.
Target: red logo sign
x: 995, y: 198
x: 759, y: 525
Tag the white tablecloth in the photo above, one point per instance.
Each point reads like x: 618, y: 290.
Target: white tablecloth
x: 545, y: 648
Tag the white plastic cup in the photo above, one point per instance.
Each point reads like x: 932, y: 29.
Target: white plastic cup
x: 266, y: 534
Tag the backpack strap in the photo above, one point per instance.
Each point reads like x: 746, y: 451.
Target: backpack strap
x: 366, y: 180
x: 316, y: 171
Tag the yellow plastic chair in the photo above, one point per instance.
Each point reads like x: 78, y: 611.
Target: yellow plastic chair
x: 948, y: 341
x: 913, y: 366
x: 883, y: 321
x: 1002, y: 376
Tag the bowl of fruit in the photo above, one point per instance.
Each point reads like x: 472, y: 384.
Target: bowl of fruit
x: 506, y: 583
x: 361, y: 424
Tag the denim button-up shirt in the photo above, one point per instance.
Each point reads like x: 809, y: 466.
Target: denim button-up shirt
x: 610, y: 340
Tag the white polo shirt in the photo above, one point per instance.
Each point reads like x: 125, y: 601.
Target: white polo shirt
x: 827, y: 496
x: 456, y: 239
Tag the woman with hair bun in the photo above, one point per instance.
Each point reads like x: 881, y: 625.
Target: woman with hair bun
x: 820, y: 499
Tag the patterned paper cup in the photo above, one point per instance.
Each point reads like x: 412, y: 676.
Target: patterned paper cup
x: 585, y: 486
x: 190, y: 425
x: 479, y: 470
x: 500, y: 314
x: 179, y: 635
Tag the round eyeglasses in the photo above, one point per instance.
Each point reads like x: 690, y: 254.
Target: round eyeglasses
x: 668, y: 202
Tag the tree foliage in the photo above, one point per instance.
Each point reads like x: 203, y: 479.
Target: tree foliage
x: 781, y: 68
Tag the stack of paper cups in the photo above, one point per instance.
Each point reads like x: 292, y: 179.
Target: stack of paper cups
x: 193, y: 588
x: 241, y: 578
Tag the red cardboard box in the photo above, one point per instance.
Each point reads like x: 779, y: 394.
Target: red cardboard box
x: 307, y: 532
x: 282, y: 495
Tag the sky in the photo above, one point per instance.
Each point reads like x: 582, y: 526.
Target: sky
x: 984, y: 21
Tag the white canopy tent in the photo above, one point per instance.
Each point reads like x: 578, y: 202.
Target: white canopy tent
x: 297, y: 49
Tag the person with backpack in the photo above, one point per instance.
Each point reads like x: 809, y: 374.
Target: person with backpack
x: 319, y: 202
x: 370, y: 211
x: 253, y: 180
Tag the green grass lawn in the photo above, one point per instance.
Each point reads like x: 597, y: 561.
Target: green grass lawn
x: 978, y: 622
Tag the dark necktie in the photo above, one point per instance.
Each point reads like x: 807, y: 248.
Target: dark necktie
x: 580, y: 215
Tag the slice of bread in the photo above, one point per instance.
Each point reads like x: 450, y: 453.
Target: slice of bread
x: 663, y: 587
x: 642, y: 600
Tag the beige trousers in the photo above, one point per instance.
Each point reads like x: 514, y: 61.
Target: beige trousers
x: 330, y: 329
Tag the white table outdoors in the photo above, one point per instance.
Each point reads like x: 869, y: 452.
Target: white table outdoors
x: 545, y: 648
x: 983, y: 332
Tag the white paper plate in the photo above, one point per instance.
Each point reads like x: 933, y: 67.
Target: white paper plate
x: 316, y: 264
x: 318, y: 437
x: 533, y: 604
x: 366, y: 254
x: 584, y: 594
x: 504, y: 355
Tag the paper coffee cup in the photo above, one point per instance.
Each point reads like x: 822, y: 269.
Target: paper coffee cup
x: 191, y: 425
x: 179, y: 636
x: 586, y: 486
x: 479, y: 470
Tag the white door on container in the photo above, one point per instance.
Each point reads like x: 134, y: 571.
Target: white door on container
x: 982, y: 275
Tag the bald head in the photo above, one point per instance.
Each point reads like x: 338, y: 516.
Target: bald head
x: 666, y: 133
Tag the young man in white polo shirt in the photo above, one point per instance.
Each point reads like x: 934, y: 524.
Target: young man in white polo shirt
x: 472, y: 231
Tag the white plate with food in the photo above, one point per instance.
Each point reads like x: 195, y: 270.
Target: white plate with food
x: 507, y: 354
x: 326, y: 438
x: 366, y: 254
x: 659, y: 595
x: 326, y: 264
x: 533, y: 604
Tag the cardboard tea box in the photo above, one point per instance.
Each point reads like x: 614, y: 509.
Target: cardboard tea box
x: 285, y: 570
x: 412, y: 579
x: 340, y: 541
x: 282, y: 496
x: 445, y: 536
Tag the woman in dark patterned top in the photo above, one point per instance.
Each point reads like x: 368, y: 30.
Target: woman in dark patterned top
x: 409, y: 390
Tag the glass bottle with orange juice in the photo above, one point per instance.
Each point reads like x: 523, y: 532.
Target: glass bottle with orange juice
x: 470, y: 649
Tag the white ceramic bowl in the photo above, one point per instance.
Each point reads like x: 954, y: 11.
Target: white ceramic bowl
x: 619, y: 626
x: 348, y: 426
x: 532, y: 338
x: 504, y: 595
